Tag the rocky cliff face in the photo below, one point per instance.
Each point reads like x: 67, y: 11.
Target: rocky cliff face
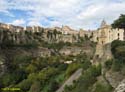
x: 2, y: 67
x: 9, y: 55
x: 29, y: 37
x: 120, y: 87
x: 114, y: 78
x: 75, y: 50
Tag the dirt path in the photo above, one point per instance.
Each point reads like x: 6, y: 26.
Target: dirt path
x: 75, y: 76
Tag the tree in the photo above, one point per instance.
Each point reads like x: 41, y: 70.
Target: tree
x: 55, y: 33
x: 31, y: 68
x: 120, y: 22
x: 100, y: 87
x: 25, y: 85
x: 53, y: 86
x: 118, y: 49
x: 35, y: 87
x: 71, y: 69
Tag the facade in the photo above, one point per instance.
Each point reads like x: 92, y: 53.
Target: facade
x: 105, y: 34
x: 33, y: 28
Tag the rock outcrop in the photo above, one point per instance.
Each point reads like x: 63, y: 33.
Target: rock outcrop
x: 120, y: 87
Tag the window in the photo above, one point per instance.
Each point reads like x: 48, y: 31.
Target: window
x: 118, y: 34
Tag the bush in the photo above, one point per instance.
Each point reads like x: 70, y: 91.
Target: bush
x: 117, y: 64
x: 25, y: 85
x: 86, y: 81
x: 86, y: 65
x: 71, y: 69
x: 7, y: 79
x: 31, y: 68
x: 108, y: 64
x: 103, y: 88
x: 120, y: 53
x: 123, y: 70
x: 53, y: 86
x: 118, y: 49
x: 35, y: 87
x: 46, y: 73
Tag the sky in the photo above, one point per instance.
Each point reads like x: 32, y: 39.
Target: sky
x: 85, y: 14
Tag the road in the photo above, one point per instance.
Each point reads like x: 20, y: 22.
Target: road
x: 75, y: 76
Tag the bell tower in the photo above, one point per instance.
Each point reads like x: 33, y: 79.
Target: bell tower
x: 103, y: 24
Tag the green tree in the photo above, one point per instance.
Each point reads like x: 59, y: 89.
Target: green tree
x: 35, y: 87
x: 71, y: 69
x: 31, y: 68
x: 117, y: 65
x: 108, y: 64
x: 100, y: 87
x: 53, y: 86
x: 118, y: 49
x: 120, y: 22
x: 25, y: 85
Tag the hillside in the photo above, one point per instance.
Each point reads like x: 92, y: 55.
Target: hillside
x: 34, y: 63
x: 45, y: 60
x: 105, y: 77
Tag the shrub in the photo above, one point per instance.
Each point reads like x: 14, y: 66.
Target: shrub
x: 103, y: 88
x: 25, y: 85
x: 35, y: 87
x: 53, y: 86
x: 116, y: 65
x: 108, y: 64
x: 86, y: 81
x: 118, y: 49
x: 71, y: 69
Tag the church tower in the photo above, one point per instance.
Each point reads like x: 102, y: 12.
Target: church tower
x: 103, y: 24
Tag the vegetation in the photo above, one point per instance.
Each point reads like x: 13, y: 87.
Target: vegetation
x: 47, y: 74
x: 100, y: 87
x: 71, y: 69
x: 120, y: 22
x: 118, y: 51
x: 56, y: 46
x: 86, y: 81
x: 41, y: 74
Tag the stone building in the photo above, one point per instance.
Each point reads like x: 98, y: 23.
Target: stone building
x: 33, y: 28
x: 67, y: 30
x: 105, y: 34
x: 4, y: 26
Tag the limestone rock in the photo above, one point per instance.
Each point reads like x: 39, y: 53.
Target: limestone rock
x: 120, y: 87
